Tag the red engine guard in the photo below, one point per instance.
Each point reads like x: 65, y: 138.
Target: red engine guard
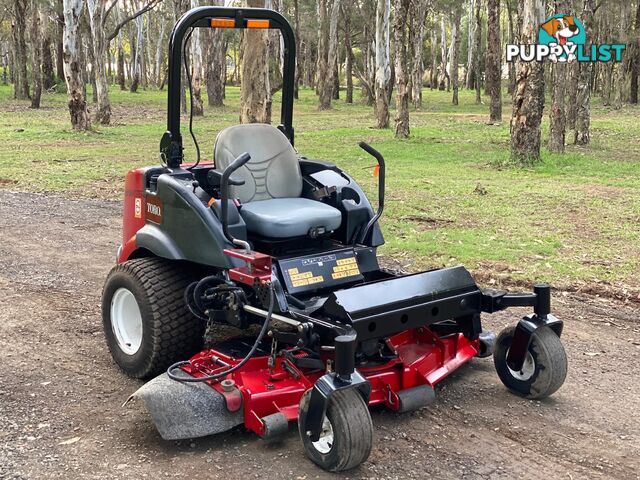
x: 422, y: 358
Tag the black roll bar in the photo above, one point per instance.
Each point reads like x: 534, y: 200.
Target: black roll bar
x: 171, y: 142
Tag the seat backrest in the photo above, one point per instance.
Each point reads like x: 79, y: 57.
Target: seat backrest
x: 272, y: 172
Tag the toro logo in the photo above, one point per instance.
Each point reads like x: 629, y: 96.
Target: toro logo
x: 563, y: 38
x: 138, y: 208
x: 154, y: 209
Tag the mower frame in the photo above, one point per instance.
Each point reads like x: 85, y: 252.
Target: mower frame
x: 429, y: 321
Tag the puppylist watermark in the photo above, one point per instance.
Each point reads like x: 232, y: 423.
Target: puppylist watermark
x: 562, y: 38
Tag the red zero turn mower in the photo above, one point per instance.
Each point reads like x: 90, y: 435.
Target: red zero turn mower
x: 253, y: 288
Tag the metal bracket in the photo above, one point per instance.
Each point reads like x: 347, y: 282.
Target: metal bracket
x: 522, y: 337
x: 322, y: 391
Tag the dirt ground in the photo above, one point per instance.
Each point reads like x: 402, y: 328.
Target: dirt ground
x: 61, y: 396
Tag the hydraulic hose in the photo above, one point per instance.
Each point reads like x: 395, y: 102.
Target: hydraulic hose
x: 226, y: 372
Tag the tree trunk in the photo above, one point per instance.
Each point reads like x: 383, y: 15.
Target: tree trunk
x: 214, y: 70
x: 197, y: 106
x: 369, y: 61
x: 12, y: 66
x: 622, y: 70
x: 328, y: 51
x: 449, y: 60
x: 455, y: 53
x: 433, y: 74
x: 121, y: 75
x: 528, y: 98
x: 512, y: 40
x: 348, y: 67
x: 90, y: 61
x: 557, y: 116
x: 298, y: 77
x: 5, y: 67
x: 59, y: 35
x: 137, y: 57
x: 444, y: 75
x: 573, y: 70
x: 36, y: 53
x: 96, y: 9
x: 471, y: 33
x: 492, y: 62
x: 21, y: 83
x: 607, y: 85
x: 477, y: 64
x: 72, y: 67
x: 635, y: 61
x: 583, y: 113
x: 159, y: 53
x: 383, y: 66
x: 336, y: 78
x: 47, y: 59
x: 255, y: 91
x: 82, y: 55
x: 418, y: 13
x: 400, y: 35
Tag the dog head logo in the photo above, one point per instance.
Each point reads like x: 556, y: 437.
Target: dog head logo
x: 561, y: 28
x: 562, y: 31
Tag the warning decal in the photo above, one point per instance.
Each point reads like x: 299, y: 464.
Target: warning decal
x: 313, y: 272
x: 346, y: 267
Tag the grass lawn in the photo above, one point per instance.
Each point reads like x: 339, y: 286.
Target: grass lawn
x: 573, y: 220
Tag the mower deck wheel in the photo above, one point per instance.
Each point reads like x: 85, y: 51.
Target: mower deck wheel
x: 276, y: 426
x: 347, y: 432
x: 146, y: 322
x: 545, y: 365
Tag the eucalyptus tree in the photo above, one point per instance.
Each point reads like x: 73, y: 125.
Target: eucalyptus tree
x: 383, y: 64
x: 401, y: 36
x: 73, y: 67
x: 528, y: 97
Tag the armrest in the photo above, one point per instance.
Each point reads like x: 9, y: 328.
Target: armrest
x: 214, y: 177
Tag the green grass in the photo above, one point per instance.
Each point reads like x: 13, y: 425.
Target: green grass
x: 572, y: 220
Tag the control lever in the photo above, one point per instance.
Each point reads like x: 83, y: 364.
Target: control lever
x: 378, y: 156
x: 224, y: 197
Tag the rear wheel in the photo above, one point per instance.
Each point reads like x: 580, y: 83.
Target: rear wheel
x: 347, y: 432
x: 545, y: 365
x: 146, y: 322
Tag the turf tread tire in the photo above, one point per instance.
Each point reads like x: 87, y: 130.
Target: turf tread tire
x: 170, y: 331
x: 352, y: 429
x: 550, y: 363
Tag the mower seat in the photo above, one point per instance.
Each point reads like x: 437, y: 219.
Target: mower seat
x: 270, y: 197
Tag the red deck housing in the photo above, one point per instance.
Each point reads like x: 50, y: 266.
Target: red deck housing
x: 423, y: 358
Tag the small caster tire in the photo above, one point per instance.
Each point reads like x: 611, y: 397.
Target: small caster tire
x: 276, y: 427
x: 347, y: 432
x: 544, y: 369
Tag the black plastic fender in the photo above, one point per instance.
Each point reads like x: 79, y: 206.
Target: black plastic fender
x: 523, y: 333
x: 158, y: 242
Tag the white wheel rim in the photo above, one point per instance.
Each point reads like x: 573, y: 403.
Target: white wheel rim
x: 325, y: 442
x: 527, y: 370
x: 126, y: 321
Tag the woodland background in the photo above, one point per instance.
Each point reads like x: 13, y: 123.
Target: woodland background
x: 523, y: 170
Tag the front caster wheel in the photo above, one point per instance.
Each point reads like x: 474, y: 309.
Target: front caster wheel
x: 544, y: 369
x: 347, y: 432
